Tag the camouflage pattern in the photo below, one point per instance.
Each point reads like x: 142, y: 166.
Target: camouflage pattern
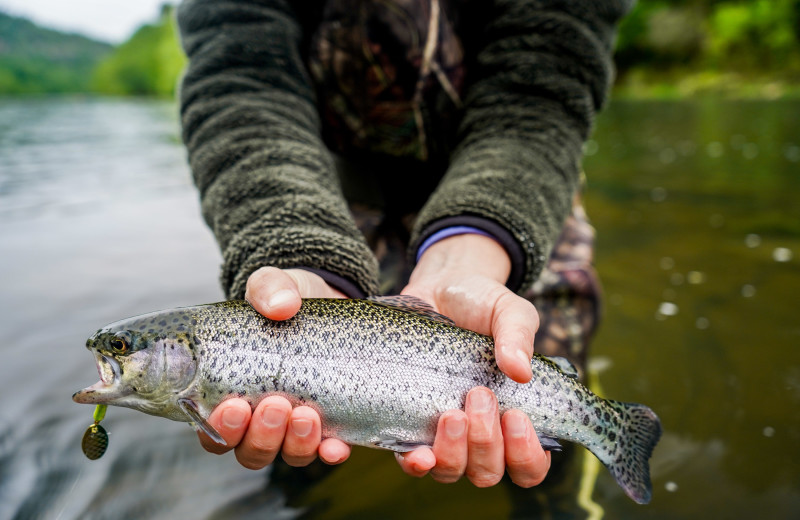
x: 381, y: 68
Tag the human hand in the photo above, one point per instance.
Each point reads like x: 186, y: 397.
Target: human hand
x: 257, y: 436
x: 463, y: 278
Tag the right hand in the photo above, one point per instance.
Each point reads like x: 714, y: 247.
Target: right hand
x: 274, y: 427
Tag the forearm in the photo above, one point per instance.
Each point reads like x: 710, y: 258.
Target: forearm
x: 542, y: 70
x: 268, y: 185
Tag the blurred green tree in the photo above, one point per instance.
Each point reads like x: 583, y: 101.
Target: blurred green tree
x: 149, y: 63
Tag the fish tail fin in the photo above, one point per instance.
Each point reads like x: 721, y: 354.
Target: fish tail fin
x: 627, y: 456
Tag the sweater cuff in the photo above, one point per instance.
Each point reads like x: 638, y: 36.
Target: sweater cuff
x: 438, y: 230
x: 350, y: 289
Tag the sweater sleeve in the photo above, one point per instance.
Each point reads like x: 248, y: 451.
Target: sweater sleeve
x: 542, y: 69
x: 267, y: 183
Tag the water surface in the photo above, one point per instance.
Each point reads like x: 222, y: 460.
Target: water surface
x: 698, y: 248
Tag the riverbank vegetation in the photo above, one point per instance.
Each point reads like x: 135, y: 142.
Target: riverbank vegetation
x: 666, y: 48
x: 678, y: 48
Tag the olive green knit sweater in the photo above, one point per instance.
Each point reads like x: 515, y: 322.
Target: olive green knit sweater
x: 536, y: 73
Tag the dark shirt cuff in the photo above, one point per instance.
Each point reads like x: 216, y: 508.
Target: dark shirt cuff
x: 350, y: 289
x: 497, y: 232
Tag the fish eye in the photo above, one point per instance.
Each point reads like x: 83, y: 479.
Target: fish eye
x: 119, y: 345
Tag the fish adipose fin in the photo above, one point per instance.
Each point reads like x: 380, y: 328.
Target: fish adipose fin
x: 190, y: 409
x: 411, y: 304
x: 628, y: 457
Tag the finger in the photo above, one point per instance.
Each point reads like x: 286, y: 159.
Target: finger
x: 333, y: 451
x: 514, y: 325
x: 273, y: 293
x: 303, y: 437
x: 230, y: 419
x: 527, y: 463
x: 417, y: 463
x: 450, y: 447
x: 485, y: 463
x: 263, y: 439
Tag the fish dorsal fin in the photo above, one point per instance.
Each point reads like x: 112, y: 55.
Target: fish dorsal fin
x: 565, y: 366
x: 411, y: 304
x: 200, y: 423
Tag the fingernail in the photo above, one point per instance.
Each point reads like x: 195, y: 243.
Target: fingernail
x: 481, y: 402
x: 233, y: 418
x: 516, y: 426
x: 302, y: 427
x: 273, y: 417
x: 280, y: 298
x: 455, y: 427
x: 524, y: 358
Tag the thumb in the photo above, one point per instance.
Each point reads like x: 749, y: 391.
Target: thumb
x: 273, y: 293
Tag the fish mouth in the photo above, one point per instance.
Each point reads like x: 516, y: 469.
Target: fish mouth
x: 108, y: 389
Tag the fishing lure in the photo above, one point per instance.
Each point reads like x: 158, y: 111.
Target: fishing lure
x: 95, y: 439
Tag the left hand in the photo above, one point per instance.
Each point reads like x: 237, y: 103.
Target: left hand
x: 463, y: 278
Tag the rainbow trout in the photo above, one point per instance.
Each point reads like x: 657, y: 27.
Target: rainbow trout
x: 379, y: 372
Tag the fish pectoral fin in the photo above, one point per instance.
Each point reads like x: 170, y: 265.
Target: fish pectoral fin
x: 412, y: 304
x: 548, y: 443
x: 200, y: 423
x: 398, y: 446
x: 565, y: 366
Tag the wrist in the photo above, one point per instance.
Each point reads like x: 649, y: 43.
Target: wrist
x: 470, y: 254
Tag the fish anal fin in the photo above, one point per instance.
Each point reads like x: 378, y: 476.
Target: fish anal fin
x: 549, y: 443
x: 411, y: 304
x: 190, y: 408
x: 398, y: 446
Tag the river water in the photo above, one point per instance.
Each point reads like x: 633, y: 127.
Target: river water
x: 699, y: 250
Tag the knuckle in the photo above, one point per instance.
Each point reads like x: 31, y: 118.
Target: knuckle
x: 249, y: 462
x: 445, y: 477
x: 484, y: 478
x: 262, y: 446
x: 527, y: 481
x: 482, y: 441
x: 447, y: 471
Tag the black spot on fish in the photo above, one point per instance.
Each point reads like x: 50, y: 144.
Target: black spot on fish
x: 612, y: 436
x: 607, y: 416
x: 586, y: 420
x: 163, y: 323
x: 598, y: 430
x: 598, y: 413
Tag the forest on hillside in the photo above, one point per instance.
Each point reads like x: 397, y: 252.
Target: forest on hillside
x: 670, y: 48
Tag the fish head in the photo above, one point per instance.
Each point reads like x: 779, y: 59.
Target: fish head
x: 143, y: 364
